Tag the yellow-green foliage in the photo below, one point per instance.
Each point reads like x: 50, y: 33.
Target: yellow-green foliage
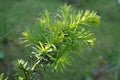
x: 55, y: 36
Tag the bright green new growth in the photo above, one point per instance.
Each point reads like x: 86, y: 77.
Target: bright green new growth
x: 55, y: 36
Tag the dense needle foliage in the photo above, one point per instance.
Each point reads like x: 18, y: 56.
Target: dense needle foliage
x: 55, y: 36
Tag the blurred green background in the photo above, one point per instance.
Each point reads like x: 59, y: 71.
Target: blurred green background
x: 101, y: 62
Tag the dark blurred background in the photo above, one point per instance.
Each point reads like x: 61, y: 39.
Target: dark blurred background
x: 101, y: 62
